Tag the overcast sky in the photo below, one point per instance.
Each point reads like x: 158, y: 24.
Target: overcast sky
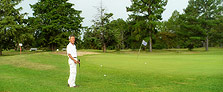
x: 117, y: 7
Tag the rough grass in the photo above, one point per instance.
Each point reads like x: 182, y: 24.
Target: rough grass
x: 174, y: 70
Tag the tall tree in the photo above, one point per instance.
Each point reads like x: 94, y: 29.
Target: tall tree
x: 166, y: 36
x: 114, y: 35
x: 200, y: 15
x: 147, y: 13
x: 54, y: 21
x: 173, y: 26
x: 217, y: 33
x: 118, y: 27
x: 11, y: 24
x: 92, y: 39
x: 100, y: 25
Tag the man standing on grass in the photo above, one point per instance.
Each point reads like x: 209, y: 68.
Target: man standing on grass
x: 72, y: 54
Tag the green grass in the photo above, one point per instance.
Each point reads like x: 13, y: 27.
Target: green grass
x: 174, y: 70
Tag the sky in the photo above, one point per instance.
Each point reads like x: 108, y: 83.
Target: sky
x: 117, y: 7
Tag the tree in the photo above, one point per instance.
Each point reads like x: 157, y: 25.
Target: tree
x: 54, y: 21
x: 92, y: 39
x: 114, y: 35
x: 200, y: 18
x: 118, y: 29
x: 173, y: 26
x: 166, y: 36
x: 11, y: 24
x: 218, y: 29
x: 100, y: 25
x: 24, y: 36
x: 217, y: 32
x: 147, y: 14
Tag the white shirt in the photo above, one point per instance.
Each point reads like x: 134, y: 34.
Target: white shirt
x: 71, y: 49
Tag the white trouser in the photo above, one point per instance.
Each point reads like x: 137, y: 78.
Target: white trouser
x: 73, y: 72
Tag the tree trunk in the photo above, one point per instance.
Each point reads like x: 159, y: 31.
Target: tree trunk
x: 206, y: 46
x: 150, y: 42
x: 17, y: 47
x: 102, y: 25
x: 104, y: 47
x: 122, y: 46
x: 53, y: 47
x: 0, y: 51
x: 104, y: 44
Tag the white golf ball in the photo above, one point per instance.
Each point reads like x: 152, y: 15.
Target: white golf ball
x: 145, y: 63
x: 101, y: 65
x: 105, y: 75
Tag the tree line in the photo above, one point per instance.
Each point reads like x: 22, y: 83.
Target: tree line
x: 200, y: 25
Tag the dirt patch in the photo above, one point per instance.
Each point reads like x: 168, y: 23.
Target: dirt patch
x: 86, y: 53
x: 30, y: 65
x: 21, y: 62
x: 79, y: 53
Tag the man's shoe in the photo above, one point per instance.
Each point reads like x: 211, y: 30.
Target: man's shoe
x: 75, y: 86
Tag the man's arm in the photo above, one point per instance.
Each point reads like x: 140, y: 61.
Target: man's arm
x: 73, y: 59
